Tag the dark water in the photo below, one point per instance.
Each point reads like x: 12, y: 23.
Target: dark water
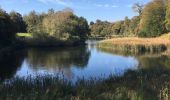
x: 77, y: 62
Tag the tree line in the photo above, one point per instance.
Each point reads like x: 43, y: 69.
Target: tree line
x: 153, y: 20
x: 57, y: 24
x: 10, y: 24
x: 60, y: 25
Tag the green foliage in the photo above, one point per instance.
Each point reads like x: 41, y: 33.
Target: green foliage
x: 142, y: 33
x: 18, y: 23
x: 134, y: 25
x: 62, y: 25
x: 168, y: 16
x: 33, y: 22
x: 100, y: 28
x: 91, y: 23
x: 128, y: 27
x: 150, y: 22
x: 117, y: 27
x: 152, y: 19
x: 7, y: 30
x: 10, y: 24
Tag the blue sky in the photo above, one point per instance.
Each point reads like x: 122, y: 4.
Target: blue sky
x: 110, y: 10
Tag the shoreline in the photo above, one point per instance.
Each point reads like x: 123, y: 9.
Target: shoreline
x: 23, y: 45
x: 137, y: 41
x: 136, y: 45
x: 51, y: 87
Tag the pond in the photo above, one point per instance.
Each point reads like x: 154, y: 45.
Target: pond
x: 77, y: 62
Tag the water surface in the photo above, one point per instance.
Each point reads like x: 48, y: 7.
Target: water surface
x: 77, y: 62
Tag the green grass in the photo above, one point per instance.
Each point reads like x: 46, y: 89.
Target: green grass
x: 24, y: 34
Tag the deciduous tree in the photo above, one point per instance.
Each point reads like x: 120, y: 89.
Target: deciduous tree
x: 152, y: 19
x: 168, y: 16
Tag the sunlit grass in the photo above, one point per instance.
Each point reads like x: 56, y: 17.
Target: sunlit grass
x: 165, y: 36
x: 24, y: 34
x: 137, y: 41
x: 136, y: 45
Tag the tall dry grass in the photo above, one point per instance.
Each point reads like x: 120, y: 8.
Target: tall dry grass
x: 138, y: 41
x: 136, y: 45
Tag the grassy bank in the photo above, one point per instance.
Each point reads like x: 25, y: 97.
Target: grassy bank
x: 24, y: 35
x: 140, y: 85
x: 136, y: 45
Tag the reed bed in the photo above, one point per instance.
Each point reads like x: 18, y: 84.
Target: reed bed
x: 136, y: 85
x: 138, y: 41
x: 136, y: 45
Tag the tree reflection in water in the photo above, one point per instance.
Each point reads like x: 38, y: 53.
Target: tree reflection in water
x: 59, y: 59
x: 10, y: 63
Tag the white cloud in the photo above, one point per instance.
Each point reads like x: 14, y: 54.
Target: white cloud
x: 106, y: 5
x: 99, y: 5
x: 60, y: 2
x: 114, y: 6
x: 130, y: 5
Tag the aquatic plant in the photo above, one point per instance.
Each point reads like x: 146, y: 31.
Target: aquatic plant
x: 134, y: 85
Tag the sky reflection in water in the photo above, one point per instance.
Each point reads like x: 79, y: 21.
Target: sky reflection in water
x: 76, y: 62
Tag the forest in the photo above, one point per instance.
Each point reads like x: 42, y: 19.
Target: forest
x: 51, y: 27
x: 153, y: 20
